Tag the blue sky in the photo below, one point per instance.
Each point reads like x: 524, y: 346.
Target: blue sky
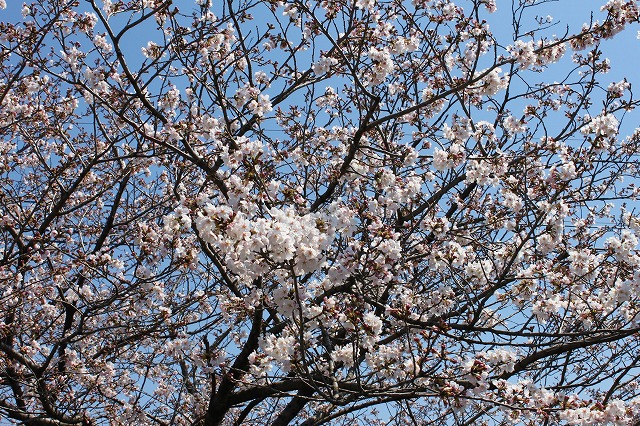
x: 623, y: 50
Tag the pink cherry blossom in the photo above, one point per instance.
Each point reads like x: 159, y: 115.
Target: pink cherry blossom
x: 334, y: 212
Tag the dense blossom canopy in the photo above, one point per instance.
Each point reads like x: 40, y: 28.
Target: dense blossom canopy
x: 249, y: 212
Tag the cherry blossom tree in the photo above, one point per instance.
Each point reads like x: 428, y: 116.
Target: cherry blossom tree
x: 246, y: 212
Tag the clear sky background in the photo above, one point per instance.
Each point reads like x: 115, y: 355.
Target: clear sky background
x: 623, y: 50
